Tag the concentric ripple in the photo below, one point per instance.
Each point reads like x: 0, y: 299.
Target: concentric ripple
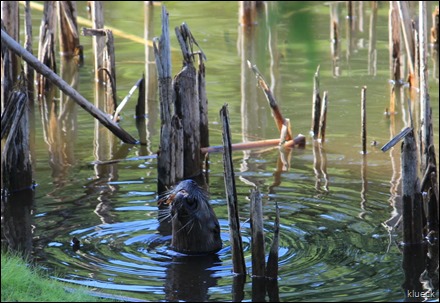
x: 331, y: 243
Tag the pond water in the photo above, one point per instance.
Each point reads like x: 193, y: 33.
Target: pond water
x: 334, y: 201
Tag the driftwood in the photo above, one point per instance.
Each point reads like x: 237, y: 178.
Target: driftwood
x: 65, y: 87
x: 299, y: 141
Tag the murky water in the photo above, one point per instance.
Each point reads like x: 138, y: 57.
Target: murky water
x: 334, y: 201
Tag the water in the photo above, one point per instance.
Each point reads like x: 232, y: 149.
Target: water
x: 333, y: 243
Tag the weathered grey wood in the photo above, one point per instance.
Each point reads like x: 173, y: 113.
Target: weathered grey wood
x: 412, y: 198
x: 231, y: 197
x: 187, y: 104
x: 15, y: 161
x: 168, y: 152
x: 257, y: 234
x: 316, y: 111
x: 203, y: 104
x: 10, y: 62
x: 188, y: 110
x: 396, y: 139
x: 323, y: 118
x: 426, y: 131
x: 65, y: 87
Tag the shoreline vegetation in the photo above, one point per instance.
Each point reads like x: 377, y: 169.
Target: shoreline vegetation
x: 21, y: 282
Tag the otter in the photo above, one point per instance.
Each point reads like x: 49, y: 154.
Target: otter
x: 194, y: 225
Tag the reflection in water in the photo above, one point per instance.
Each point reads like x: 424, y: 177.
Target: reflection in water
x: 372, y: 52
x: 334, y: 38
x: 17, y: 220
x: 188, y: 278
x: 320, y: 167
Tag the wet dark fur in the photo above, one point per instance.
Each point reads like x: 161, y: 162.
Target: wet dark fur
x: 195, y: 227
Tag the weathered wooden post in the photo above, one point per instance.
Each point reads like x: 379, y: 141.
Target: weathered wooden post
x: 364, y: 119
x: 11, y: 62
x: 17, y: 191
x: 170, y: 149
x: 231, y: 196
x: 316, y: 111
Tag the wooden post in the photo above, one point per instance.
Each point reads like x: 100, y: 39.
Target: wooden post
x: 316, y: 111
x: 323, y: 118
x: 46, y: 47
x: 426, y: 131
x: 187, y: 103
x: 364, y: 119
x: 334, y: 37
x: 10, y: 62
x: 257, y: 232
x: 17, y: 190
x: 412, y: 198
x: 231, y: 197
x: 166, y: 162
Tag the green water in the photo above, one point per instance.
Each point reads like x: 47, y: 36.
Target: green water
x: 333, y: 244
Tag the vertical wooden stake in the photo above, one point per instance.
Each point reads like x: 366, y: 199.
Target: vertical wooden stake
x: 316, y: 112
x: 364, y: 120
x: 256, y: 210
x: 234, y: 223
x: 323, y: 118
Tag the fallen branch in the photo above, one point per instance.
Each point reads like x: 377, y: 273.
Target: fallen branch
x: 299, y: 141
x: 279, y: 119
x: 65, y: 87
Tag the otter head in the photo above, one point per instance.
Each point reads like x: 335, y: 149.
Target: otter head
x: 195, y: 227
